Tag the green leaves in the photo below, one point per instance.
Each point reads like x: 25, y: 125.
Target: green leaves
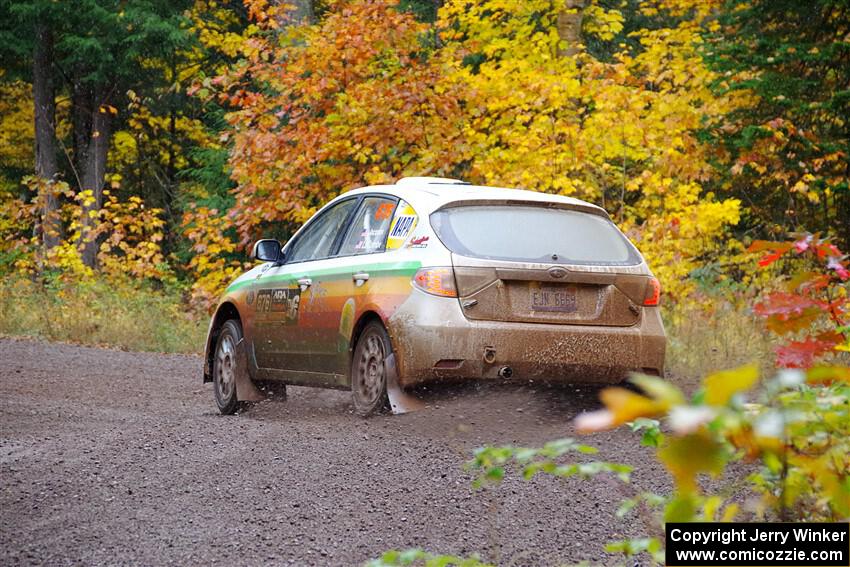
x: 632, y: 547
x: 424, y: 559
x: 784, y: 59
x: 651, y: 428
x: 491, y: 462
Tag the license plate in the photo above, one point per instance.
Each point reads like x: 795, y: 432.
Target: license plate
x: 554, y: 299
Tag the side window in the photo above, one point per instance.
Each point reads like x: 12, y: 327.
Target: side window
x: 318, y: 239
x: 368, y: 232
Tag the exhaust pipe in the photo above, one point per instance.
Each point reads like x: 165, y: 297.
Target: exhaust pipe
x: 506, y: 372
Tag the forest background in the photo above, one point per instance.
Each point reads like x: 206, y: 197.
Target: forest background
x: 145, y: 144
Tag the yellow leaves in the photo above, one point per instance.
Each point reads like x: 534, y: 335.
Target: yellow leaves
x: 692, y: 447
x: 604, y: 24
x: 212, y: 270
x: 686, y: 457
x: 544, y: 123
x: 375, y: 176
x: 212, y: 25
x: 828, y: 374
x: 130, y: 235
x: 721, y: 386
x: 494, y: 101
x: 683, y: 227
x: 658, y: 389
x: 623, y: 406
x: 16, y: 125
x: 66, y: 257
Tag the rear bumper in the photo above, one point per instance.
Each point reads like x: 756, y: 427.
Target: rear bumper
x: 433, y: 340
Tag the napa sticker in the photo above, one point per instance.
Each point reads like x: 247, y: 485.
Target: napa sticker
x: 285, y: 301
x: 402, y: 225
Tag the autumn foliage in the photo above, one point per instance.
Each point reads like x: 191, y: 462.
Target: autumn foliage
x: 368, y: 96
x: 350, y: 101
x: 698, y: 125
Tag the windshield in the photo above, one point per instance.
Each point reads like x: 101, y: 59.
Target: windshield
x: 527, y: 233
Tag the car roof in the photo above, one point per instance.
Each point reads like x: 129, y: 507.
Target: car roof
x: 432, y: 193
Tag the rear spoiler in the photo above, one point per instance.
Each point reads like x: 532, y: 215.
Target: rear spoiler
x: 577, y: 206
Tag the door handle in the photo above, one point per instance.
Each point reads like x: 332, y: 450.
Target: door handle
x: 305, y: 283
x: 360, y: 277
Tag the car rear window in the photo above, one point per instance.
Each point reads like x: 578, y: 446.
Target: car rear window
x: 527, y: 233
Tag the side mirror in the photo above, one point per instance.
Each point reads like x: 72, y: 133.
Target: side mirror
x: 266, y: 250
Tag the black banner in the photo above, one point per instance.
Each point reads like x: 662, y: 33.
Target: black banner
x: 758, y: 544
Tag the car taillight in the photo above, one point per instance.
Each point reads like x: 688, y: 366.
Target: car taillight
x: 653, y: 293
x: 436, y: 281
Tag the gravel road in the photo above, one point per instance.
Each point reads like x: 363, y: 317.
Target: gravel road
x: 119, y: 458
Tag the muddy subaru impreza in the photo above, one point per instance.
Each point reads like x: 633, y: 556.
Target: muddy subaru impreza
x: 393, y: 286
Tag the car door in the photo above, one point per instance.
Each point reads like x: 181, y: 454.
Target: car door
x: 338, y: 284
x: 283, y: 331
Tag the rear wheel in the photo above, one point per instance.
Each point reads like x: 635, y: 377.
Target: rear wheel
x: 369, y: 371
x: 225, y: 367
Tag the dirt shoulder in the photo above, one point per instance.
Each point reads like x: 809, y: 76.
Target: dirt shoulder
x: 110, y: 457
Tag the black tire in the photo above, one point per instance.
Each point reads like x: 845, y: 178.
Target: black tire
x: 369, y: 371
x: 225, y: 367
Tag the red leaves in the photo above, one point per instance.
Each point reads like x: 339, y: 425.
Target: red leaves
x: 789, y: 312
x: 802, y: 354
x: 777, y: 250
x: 809, y: 242
x: 769, y: 259
x: 785, y: 305
x: 816, y: 298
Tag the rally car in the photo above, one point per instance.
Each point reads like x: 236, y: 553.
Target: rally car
x: 393, y: 286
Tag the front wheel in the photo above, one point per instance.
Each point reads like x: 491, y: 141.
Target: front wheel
x: 369, y: 370
x: 225, y: 367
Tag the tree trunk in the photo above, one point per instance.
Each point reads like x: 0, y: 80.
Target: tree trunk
x: 569, y: 27
x: 46, y: 163
x: 81, y: 116
x: 94, y: 170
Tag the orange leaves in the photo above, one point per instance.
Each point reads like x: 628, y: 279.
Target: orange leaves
x: 133, y: 233
x: 822, y: 249
x: 366, y: 96
x: 798, y: 428
x: 691, y: 448
x: 662, y: 398
x: 318, y: 116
